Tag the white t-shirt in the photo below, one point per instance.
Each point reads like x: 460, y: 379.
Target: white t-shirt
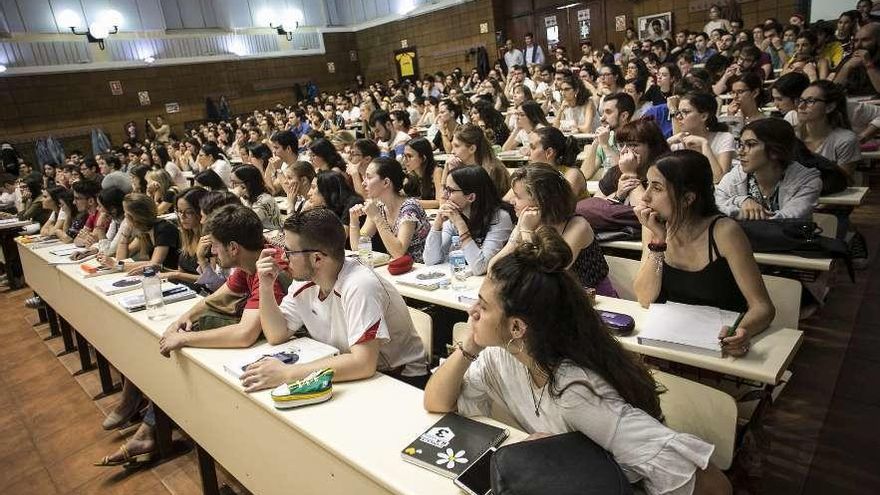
x: 362, y: 307
x: 224, y: 170
x: 642, y: 446
x: 176, y: 175
x: 719, y: 142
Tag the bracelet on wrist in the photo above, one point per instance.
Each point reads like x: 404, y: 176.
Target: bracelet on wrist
x: 467, y: 355
x: 657, y: 247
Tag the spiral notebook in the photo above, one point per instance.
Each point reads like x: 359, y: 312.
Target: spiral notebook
x: 452, y: 444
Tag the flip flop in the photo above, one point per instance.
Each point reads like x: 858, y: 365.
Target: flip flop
x: 127, y: 458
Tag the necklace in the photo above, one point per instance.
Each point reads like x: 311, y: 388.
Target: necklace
x: 535, y: 400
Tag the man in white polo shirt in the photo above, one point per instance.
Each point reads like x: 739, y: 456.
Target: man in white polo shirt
x: 342, y: 303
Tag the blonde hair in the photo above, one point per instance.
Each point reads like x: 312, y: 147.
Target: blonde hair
x: 142, y: 210
x: 162, y: 178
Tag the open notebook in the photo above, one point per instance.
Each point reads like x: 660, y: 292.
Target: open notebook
x: 685, y: 327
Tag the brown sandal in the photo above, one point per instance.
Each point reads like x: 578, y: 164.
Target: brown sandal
x: 127, y: 458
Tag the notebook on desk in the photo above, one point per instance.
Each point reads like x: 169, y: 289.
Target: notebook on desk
x: 299, y: 350
x: 685, y: 327
x: 452, y: 444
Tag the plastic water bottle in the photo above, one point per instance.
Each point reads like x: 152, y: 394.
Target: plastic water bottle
x: 458, y: 265
x: 365, y: 250
x: 152, y: 286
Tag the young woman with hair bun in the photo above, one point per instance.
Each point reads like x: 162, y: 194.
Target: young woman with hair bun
x: 536, y: 346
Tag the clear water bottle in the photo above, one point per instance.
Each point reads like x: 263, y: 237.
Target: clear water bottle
x: 457, y: 265
x: 365, y: 250
x: 152, y: 285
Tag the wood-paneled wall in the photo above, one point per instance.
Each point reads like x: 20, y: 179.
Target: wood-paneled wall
x: 753, y: 11
x: 34, y: 106
x: 441, y: 39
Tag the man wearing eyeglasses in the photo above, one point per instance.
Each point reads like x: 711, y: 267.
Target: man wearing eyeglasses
x: 229, y: 317
x: 341, y: 303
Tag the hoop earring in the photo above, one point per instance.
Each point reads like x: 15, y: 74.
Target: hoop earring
x: 522, y: 346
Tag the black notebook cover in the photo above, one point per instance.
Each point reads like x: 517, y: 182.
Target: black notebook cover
x: 452, y: 444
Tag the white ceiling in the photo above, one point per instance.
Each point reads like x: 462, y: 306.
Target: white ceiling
x: 41, y: 16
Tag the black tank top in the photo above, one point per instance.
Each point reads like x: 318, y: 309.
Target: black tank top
x: 714, y: 285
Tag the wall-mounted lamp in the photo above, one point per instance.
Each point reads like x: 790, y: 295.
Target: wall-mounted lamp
x: 98, y: 30
x: 2, y: 68
x: 289, y: 21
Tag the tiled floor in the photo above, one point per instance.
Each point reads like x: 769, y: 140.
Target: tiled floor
x: 820, y: 437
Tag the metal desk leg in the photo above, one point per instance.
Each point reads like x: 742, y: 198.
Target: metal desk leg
x: 107, y: 385
x: 82, y: 345
x: 207, y: 472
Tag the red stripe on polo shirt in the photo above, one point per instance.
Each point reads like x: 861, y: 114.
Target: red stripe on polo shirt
x: 304, y: 287
x: 370, y: 334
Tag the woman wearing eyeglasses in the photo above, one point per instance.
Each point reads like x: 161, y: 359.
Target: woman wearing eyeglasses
x: 824, y: 126
x: 400, y: 222
x: 472, y: 210
x: 767, y: 183
x: 362, y: 152
x: 745, y: 107
x: 189, y: 221
x: 697, y: 128
x: 577, y: 110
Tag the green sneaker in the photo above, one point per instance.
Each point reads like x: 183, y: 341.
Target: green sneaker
x: 317, y: 387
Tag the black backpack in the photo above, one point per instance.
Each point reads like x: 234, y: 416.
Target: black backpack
x: 797, y: 237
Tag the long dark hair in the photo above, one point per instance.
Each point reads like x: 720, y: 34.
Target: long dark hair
x: 475, y: 180
x: 139, y: 172
x: 253, y: 181
x: 534, y: 285
x: 391, y: 169
x: 687, y: 171
x: 211, y: 180
x: 533, y: 111
x: 111, y: 199
x: 325, y: 149
x: 336, y: 191
x: 834, y: 94
x: 424, y: 187
x: 706, y: 103
x: 566, y: 147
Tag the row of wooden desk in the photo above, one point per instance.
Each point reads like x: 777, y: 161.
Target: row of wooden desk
x: 350, y: 444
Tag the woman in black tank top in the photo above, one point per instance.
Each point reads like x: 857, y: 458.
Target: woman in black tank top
x: 681, y: 222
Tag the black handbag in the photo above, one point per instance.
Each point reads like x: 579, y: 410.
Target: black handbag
x: 797, y: 237
x: 566, y: 464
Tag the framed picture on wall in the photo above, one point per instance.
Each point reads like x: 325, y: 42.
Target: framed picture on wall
x: 406, y: 61
x: 655, y: 26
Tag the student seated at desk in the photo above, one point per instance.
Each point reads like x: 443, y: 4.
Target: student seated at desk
x: 400, y: 222
x: 248, y: 184
x: 542, y: 197
x: 212, y: 275
x: 341, y: 303
x: 697, y: 128
x: 189, y: 221
x: 767, y: 183
x: 58, y: 220
x: 641, y: 143
x: 85, y: 195
x: 548, y: 145
x: 693, y: 254
x: 473, y: 211
x: 471, y: 147
x: 422, y: 173
x: 149, y: 238
x: 236, y: 236
x: 537, y: 347
x: 824, y: 126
